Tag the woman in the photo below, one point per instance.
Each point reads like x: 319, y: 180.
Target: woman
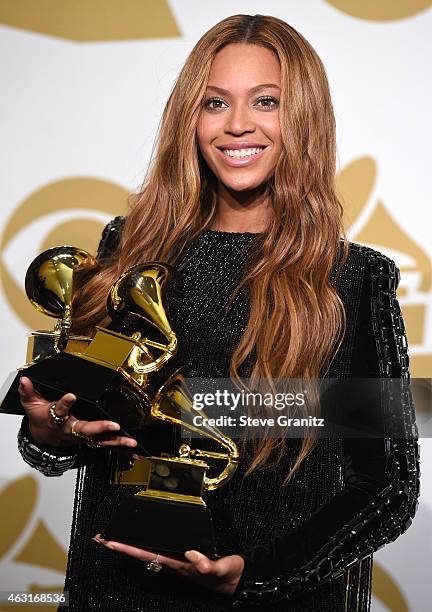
x: 240, y: 199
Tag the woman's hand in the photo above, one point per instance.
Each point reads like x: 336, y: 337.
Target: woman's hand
x: 222, y: 575
x: 46, y: 432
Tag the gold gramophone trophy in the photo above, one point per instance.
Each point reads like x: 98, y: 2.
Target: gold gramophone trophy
x: 110, y: 375
x: 49, y: 287
x: 169, y: 514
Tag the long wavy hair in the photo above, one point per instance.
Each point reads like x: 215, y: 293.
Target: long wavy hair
x: 296, y: 319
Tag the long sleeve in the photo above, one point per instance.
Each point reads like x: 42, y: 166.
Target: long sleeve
x: 50, y: 461
x: 381, y: 475
x: 54, y: 461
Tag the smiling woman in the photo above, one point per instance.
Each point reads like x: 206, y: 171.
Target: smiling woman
x: 241, y: 127
x: 240, y: 200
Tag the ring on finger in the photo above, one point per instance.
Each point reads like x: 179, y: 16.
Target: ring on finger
x: 92, y: 443
x: 87, y: 439
x: 77, y: 434
x: 155, y: 565
x: 58, y: 420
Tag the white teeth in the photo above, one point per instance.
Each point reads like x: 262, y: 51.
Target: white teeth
x: 242, y: 152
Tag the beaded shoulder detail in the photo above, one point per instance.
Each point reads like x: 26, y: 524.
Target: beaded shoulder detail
x: 110, y: 238
x: 391, y: 511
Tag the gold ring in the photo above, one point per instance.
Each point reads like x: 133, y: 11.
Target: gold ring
x: 58, y: 420
x: 87, y: 439
x: 92, y: 443
x: 77, y: 434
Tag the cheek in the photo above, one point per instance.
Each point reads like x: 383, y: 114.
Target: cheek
x: 204, y: 132
x: 274, y: 131
x: 201, y: 132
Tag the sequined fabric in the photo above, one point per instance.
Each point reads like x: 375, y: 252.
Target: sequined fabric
x: 278, y: 529
x: 380, y: 350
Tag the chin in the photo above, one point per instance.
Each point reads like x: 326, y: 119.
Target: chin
x: 243, y: 185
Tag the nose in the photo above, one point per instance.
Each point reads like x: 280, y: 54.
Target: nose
x: 239, y: 120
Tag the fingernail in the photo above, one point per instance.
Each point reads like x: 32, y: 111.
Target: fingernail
x: 192, y: 555
x: 114, y: 426
x: 100, y: 540
x: 69, y: 400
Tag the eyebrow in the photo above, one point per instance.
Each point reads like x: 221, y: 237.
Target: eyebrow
x: 225, y: 92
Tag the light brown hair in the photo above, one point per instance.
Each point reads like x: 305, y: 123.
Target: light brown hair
x: 296, y: 316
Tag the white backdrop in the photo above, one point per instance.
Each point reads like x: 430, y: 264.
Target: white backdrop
x: 78, y: 120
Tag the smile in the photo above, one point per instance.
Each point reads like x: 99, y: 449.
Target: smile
x: 241, y: 157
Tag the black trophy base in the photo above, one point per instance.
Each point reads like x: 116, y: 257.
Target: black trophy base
x: 163, y: 526
x: 102, y: 393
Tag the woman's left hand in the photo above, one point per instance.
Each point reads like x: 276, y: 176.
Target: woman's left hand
x: 222, y: 575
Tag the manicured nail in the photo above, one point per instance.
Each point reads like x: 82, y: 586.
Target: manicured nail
x: 106, y: 543
x: 192, y: 555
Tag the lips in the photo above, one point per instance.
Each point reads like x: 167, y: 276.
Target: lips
x: 241, y: 161
x: 241, y: 144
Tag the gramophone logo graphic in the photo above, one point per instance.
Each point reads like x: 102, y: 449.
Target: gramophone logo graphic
x: 26, y: 542
x: 368, y: 221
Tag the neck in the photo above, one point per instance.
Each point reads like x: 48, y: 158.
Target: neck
x: 242, y: 211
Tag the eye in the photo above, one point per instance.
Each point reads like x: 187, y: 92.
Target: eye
x: 270, y: 102
x: 215, y: 101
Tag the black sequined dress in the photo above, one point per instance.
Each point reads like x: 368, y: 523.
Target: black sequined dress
x: 307, y: 546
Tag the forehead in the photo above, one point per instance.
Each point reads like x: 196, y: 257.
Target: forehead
x: 243, y: 65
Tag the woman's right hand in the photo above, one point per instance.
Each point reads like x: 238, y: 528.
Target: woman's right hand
x: 46, y: 432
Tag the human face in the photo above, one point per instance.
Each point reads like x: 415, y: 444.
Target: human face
x: 240, y: 112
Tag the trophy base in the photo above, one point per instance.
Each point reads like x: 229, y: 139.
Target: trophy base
x: 163, y: 526
x: 102, y: 393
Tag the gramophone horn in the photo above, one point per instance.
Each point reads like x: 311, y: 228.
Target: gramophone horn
x: 139, y: 292
x: 173, y: 403
x: 48, y: 282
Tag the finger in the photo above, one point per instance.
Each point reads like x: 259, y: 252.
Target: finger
x: 141, y: 554
x: 119, y: 441
x: 25, y: 389
x: 64, y: 404
x: 93, y: 428
x: 97, y: 429
x: 201, y: 563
